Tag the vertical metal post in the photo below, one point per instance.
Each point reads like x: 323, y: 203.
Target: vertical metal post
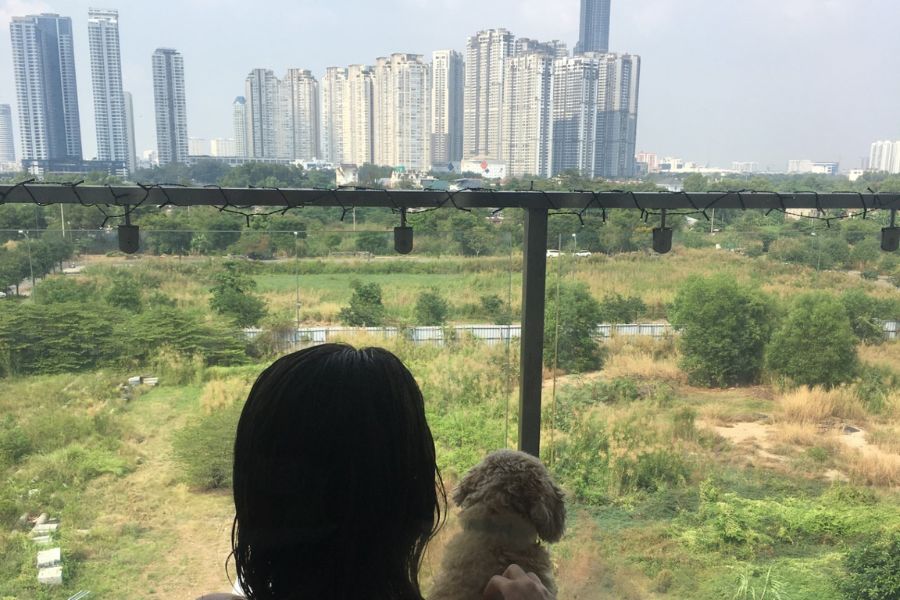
x: 534, y: 282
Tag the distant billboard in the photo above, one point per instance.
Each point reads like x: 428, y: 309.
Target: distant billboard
x: 488, y: 168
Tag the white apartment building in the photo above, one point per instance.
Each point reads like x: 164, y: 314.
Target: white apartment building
x: 239, y: 124
x: 298, y: 120
x: 334, y: 89
x: 618, y: 106
x: 357, y: 123
x: 885, y: 156
x: 526, y: 119
x: 261, y: 90
x: 129, y: 130
x: 106, y: 76
x: 199, y: 147
x: 486, y: 54
x: 222, y: 147
x: 447, y: 85
x: 170, y: 105
x: 402, y: 99
x: 7, y: 144
x: 806, y: 166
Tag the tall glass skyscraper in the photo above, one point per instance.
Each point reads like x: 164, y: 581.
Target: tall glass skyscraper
x: 44, y: 66
x: 171, y: 111
x: 106, y: 76
x: 594, y: 32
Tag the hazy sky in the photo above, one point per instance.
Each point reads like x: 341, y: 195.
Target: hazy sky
x: 722, y: 80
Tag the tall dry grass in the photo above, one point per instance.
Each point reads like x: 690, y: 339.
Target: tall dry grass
x: 806, y: 435
x: 643, y: 358
x: 873, y: 468
x: 222, y: 393
x: 812, y: 406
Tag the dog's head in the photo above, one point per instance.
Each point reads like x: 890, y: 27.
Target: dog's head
x: 518, y: 482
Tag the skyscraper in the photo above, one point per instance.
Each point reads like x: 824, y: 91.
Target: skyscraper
x: 239, y: 123
x: 617, y: 121
x: 262, y: 98
x: 486, y: 53
x: 447, y: 85
x: 171, y: 110
x: 106, y: 76
x: 129, y: 128
x: 595, y: 100
x: 7, y: 147
x: 401, y: 111
x: 526, y: 121
x: 885, y: 156
x: 334, y: 89
x: 298, y: 123
x: 357, y: 120
x: 594, y: 31
x: 44, y: 66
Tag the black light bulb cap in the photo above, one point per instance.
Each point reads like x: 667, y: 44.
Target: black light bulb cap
x: 129, y: 238
x: 890, y: 239
x: 662, y: 239
x: 403, y: 239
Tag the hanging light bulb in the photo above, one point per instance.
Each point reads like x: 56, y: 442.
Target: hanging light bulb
x: 129, y: 235
x: 403, y: 235
x: 662, y: 236
x: 890, y: 236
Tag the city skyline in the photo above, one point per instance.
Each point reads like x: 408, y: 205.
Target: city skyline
x: 688, y: 103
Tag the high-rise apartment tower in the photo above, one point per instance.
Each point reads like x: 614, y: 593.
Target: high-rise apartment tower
x: 448, y: 76
x: 171, y: 108
x: 262, y: 99
x: 486, y: 54
x: 239, y: 123
x: 7, y: 146
x: 106, y: 77
x: 44, y: 67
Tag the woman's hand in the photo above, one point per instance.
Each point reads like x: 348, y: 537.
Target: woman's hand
x: 516, y: 584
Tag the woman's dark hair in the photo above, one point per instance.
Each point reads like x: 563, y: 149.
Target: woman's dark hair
x: 336, y: 489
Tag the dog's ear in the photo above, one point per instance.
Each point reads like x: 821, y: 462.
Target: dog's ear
x: 548, y: 512
x: 470, y: 486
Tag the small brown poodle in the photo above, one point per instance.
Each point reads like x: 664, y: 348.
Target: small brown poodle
x: 506, y: 502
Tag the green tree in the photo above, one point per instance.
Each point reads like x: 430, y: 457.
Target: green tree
x: 232, y: 296
x: 431, y: 308
x: 366, y: 308
x: 495, y: 309
x: 579, y: 314
x: 864, y: 314
x: 125, y: 292
x: 374, y: 242
x: 815, y: 344
x: 724, y: 329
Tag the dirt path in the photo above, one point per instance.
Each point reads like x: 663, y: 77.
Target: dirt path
x: 183, y: 537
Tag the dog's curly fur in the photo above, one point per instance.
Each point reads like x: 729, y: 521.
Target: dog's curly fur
x: 506, y: 502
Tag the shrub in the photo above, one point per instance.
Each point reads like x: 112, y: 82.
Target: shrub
x: 494, y: 308
x: 579, y: 314
x: 724, y: 329
x: 683, y: 424
x: 14, y: 442
x: 57, y: 290
x: 863, y: 312
x: 205, y: 449
x: 366, y: 308
x: 815, y: 344
x: 232, y: 296
x: 615, y: 308
x: 431, y: 308
x: 125, y: 293
x: 873, y: 570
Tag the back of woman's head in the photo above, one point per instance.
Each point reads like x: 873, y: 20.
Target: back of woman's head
x: 336, y: 490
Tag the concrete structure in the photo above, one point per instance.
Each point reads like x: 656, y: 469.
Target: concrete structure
x: 298, y: 122
x: 885, y: 156
x: 805, y: 166
x: 239, y: 124
x: 44, y: 67
x: 129, y: 130
x: 357, y: 123
x: 488, y: 168
x: 594, y: 27
x: 171, y: 108
x: 199, y: 147
x: 486, y: 54
x: 49, y: 558
x: 447, y: 85
x: 106, y: 77
x: 402, y: 101
x: 595, y: 102
x: 649, y: 160
x: 7, y: 145
x: 262, y: 108
x: 223, y: 147
x: 527, y: 114
x: 334, y: 89
x: 745, y: 167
